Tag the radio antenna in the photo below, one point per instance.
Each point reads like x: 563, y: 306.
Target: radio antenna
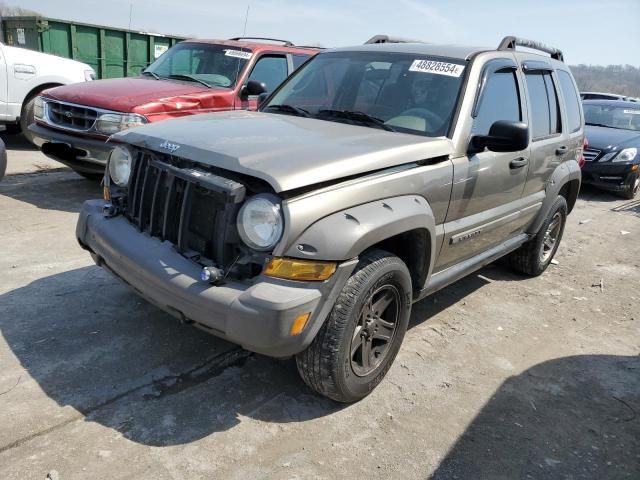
x: 246, y: 19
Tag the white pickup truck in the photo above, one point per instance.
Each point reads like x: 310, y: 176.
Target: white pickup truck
x: 24, y: 74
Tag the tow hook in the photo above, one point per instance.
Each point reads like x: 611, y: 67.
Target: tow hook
x: 109, y: 210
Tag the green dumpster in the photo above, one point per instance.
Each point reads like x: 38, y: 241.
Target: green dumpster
x: 112, y: 52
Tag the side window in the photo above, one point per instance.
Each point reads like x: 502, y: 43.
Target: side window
x: 545, y: 114
x: 500, y: 101
x: 554, y: 105
x: 571, y: 99
x: 270, y: 70
x: 299, y: 59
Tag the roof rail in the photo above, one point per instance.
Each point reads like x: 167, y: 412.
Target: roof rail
x: 286, y: 43
x: 510, y: 43
x: 390, y: 39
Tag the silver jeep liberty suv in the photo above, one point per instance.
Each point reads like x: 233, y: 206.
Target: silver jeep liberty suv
x: 373, y: 177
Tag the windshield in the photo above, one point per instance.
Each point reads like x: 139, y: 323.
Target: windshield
x: 395, y: 91
x: 211, y: 65
x: 623, y: 117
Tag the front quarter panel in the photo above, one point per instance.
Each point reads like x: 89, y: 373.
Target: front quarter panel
x: 347, y: 233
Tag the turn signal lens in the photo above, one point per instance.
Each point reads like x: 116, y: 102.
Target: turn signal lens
x: 299, y: 323
x: 304, y: 270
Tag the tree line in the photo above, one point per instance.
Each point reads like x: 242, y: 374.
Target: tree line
x: 620, y: 79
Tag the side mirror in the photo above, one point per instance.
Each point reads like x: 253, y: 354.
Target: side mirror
x: 262, y: 97
x: 253, y: 88
x: 504, y: 136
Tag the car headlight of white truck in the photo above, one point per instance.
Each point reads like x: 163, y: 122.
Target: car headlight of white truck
x: 38, y: 108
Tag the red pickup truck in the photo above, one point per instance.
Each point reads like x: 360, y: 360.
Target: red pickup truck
x: 73, y: 122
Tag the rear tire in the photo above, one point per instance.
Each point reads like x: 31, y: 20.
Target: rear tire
x: 534, y: 256
x: 27, y: 118
x: 357, y: 344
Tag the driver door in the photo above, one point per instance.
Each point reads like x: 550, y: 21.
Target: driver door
x: 487, y: 186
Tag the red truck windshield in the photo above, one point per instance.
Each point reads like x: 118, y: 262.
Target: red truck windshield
x: 210, y: 65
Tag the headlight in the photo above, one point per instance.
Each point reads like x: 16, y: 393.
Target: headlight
x: 625, y: 155
x: 111, y: 123
x: 38, y: 108
x: 120, y: 166
x: 89, y: 75
x: 260, y: 222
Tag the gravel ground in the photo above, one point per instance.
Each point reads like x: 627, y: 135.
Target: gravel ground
x: 499, y: 376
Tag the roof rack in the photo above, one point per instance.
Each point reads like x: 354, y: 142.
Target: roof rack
x: 286, y: 43
x: 510, y: 43
x: 390, y: 39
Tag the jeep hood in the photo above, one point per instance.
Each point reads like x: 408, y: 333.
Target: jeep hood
x: 129, y: 94
x: 286, y: 151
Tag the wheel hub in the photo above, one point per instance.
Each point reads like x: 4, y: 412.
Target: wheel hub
x: 375, y: 330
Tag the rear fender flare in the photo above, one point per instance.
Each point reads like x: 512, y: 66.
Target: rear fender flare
x: 564, y: 173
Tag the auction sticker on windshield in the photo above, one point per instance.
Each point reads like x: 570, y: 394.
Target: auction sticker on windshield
x: 439, y: 68
x: 238, y: 54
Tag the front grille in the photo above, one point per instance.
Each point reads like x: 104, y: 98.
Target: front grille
x: 74, y: 117
x: 187, y: 206
x: 590, y: 154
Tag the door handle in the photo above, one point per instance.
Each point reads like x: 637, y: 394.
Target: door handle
x: 562, y: 150
x: 518, y: 163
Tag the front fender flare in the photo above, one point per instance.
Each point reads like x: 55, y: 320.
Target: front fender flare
x: 346, y: 234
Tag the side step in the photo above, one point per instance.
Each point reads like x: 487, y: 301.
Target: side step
x: 456, y: 272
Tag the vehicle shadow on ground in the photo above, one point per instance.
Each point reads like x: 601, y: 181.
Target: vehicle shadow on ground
x: 91, y: 343
x: 574, y: 417
x: 16, y: 141
x: 62, y: 191
x: 592, y: 194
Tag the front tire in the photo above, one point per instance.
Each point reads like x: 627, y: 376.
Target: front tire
x: 534, y: 256
x: 631, y: 190
x: 27, y: 118
x: 357, y: 344
x: 3, y: 159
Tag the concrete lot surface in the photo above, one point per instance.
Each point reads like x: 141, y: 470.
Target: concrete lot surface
x: 499, y: 377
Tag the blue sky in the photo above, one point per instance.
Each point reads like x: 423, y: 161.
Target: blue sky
x: 595, y: 32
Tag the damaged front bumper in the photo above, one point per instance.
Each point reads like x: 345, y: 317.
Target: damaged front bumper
x: 257, y: 314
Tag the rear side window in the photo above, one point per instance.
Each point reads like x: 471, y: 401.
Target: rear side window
x: 500, y: 101
x: 574, y: 121
x: 545, y: 114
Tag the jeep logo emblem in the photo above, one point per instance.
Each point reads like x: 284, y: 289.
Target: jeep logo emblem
x: 172, y: 147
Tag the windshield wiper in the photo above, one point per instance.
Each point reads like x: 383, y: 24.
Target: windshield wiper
x: 357, y: 117
x: 153, y: 74
x: 301, y: 112
x: 180, y: 76
x: 598, y: 125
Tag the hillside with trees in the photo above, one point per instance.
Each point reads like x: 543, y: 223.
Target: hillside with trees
x: 621, y: 79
